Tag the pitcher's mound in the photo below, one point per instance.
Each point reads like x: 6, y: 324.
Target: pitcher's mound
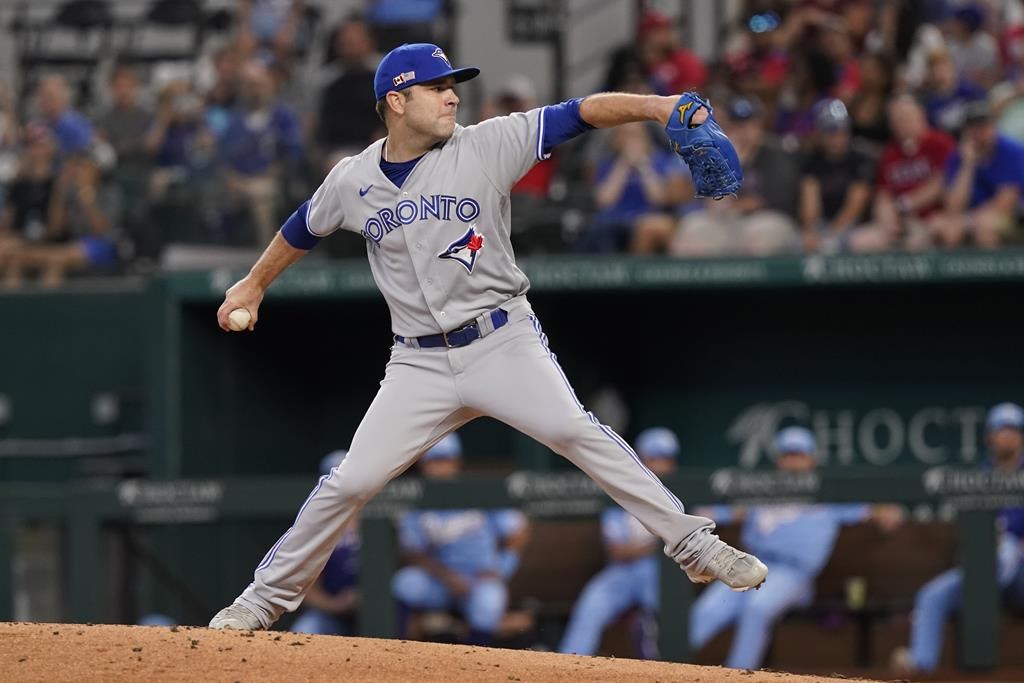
x: 111, y: 654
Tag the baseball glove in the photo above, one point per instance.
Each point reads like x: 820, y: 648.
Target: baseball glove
x: 704, y: 147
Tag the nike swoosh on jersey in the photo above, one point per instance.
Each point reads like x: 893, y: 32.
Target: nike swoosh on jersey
x: 362, y: 192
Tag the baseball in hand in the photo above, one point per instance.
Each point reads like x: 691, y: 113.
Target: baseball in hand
x: 239, y: 319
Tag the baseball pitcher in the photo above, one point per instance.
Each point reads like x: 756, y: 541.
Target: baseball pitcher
x: 431, y: 201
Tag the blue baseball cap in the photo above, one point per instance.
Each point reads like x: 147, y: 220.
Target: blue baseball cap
x: 795, y: 440
x: 1003, y: 416
x: 414, y: 63
x: 332, y: 460
x: 448, y: 448
x: 657, y: 442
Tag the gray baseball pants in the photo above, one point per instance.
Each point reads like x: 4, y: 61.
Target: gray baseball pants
x: 510, y: 375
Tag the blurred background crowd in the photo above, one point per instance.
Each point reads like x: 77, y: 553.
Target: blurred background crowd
x: 862, y: 126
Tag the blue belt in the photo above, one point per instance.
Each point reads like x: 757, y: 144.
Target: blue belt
x: 456, y: 338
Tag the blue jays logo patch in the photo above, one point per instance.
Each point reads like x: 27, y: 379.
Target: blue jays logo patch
x: 439, y: 53
x: 464, y: 249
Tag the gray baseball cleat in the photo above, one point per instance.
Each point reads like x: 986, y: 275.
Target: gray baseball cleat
x: 738, y: 570
x: 236, y: 617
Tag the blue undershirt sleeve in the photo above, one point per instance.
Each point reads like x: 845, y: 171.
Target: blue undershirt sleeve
x: 560, y: 123
x: 296, y: 232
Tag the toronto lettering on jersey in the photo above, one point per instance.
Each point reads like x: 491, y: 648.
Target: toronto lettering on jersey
x: 441, y: 207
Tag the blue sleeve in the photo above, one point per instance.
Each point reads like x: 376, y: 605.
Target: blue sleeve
x: 560, y: 123
x: 295, y: 230
x: 411, y: 535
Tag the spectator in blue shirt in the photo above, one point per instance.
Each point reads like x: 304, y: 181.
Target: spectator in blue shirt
x: 458, y: 559
x: 329, y: 606
x: 797, y: 541
x: 940, y: 597
x: 178, y: 141
x: 637, y: 183
x: 946, y: 94
x: 261, y: 141
x: 983, y: 184
x: 631, y: 579
x: 71, y: 130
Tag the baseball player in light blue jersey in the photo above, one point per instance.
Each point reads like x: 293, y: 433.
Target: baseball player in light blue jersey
x: 940, y: 597
x: 458, y: 558
x: 796, y: 540
x: 431, y: 202
x: 330, y: 603
x: 632, y: 577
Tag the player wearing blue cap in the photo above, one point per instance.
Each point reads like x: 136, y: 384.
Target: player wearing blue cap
x: 431, y: 202
x: 632, y: 578
x: 937, y: 599
x: 330, y: 604
x: 459, y: 559
x: 797, y: 540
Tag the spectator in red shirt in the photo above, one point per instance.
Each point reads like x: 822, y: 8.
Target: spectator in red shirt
x: 673, y: 68
x: 670, y: 67
x: 911, y: 177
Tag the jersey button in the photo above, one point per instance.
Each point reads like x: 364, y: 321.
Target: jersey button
x: 442, y: 314
x: 419, y: 245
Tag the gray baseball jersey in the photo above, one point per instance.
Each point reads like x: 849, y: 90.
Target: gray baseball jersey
x: 439, y: 246
x: 440, y: 252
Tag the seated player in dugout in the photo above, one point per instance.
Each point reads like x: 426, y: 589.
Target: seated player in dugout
x: 797, y: 541
x: 630, y: 583
x: 457, y: 560
x: 936, y: 601
x: 431, y: 202
x: 329, y: 608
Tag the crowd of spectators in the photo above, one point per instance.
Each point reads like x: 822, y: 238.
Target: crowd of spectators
x: 862, y: 126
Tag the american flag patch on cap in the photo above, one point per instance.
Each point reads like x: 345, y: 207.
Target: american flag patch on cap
x: 403, y: 77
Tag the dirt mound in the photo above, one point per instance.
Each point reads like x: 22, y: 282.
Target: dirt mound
x: 77, y: 652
